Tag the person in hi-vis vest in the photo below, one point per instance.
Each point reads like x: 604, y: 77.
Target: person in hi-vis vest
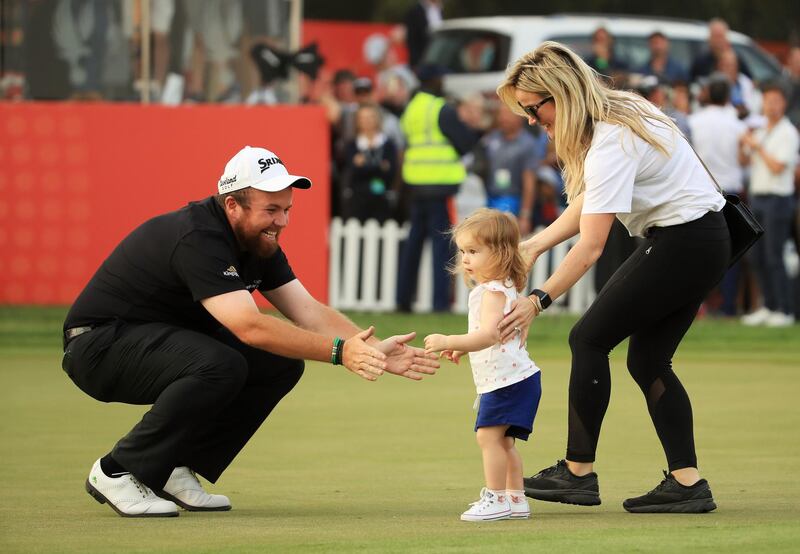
x: 432, y: 172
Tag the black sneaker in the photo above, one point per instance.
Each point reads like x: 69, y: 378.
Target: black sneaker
x: 558, y: 484
x: 672, y: 497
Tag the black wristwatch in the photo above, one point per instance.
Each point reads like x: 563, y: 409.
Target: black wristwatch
x: 544, y: 298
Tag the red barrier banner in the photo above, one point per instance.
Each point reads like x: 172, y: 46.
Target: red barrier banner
x: 77, y: 178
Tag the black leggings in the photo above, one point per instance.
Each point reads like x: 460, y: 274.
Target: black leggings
x: 653, y: 299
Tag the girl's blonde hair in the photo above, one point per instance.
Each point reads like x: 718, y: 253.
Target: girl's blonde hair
x: 497, y: 231
x: 581, y: 99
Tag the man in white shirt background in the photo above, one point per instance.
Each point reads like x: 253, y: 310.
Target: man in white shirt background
x: 773, y: 153
x: 716, y: 134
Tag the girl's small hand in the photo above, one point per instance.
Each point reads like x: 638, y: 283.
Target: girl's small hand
x: 435, y: 343
x: 452, y: 355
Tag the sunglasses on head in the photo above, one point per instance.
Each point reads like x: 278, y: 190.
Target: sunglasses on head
x: 533, y: 110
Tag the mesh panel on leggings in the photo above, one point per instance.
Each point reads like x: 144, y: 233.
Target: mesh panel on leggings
x: 579, y: 438
x: 654, y: 394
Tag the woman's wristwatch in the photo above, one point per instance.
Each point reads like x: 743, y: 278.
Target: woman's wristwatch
x: 540, y: 298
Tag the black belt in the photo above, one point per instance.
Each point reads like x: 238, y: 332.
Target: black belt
x: 73, y: 332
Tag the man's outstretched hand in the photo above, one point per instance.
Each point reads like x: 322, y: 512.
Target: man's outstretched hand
x: 406, y: 360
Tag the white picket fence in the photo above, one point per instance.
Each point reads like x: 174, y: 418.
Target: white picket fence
x: 364, y: 271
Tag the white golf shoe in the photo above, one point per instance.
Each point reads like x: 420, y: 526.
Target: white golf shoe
x: 489, y: 507
x: 184, y: 489
x: 126, y: 495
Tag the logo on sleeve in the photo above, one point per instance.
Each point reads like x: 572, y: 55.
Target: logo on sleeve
x: 231, y: 272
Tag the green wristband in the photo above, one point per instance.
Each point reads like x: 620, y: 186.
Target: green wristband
x: 336, y: 351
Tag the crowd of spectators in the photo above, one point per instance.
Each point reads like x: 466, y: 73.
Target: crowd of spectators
x: 745, y: 131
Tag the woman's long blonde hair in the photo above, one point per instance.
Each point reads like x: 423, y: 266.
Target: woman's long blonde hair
x: 581, y: 100
x: 499, y: 232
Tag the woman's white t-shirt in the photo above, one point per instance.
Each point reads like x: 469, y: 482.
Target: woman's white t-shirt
x: 500, y: 365
x: 627, y: 176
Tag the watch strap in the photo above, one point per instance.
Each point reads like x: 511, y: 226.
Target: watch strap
x: 543, y: 297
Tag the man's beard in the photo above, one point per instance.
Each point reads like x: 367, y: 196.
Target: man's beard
x: 256, y: 244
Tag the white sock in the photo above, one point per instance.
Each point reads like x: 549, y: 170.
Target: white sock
x: 500, y: 495
x: 515, y: 497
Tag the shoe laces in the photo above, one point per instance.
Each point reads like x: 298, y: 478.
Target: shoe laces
x: 143, y: 489
x: 194, y: 475
x: 663, y: 484
x: 485, y: 498
x: 552, y: 469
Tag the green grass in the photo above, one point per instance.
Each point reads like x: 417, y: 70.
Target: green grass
x: 349, y: 466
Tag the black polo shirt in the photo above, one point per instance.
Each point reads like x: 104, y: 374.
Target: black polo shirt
x: 161, y: 271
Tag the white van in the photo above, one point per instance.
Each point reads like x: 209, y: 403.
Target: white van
x: 477, y: 50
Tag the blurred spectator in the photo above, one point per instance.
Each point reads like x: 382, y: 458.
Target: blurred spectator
x: 717, y: 134
x: 661, y: 65
x: 397, y: 85
x: 422, y: 18
x: 513, y: 161
x: 12, y: 34
x: 773, y: 152
x: 744, y: 96
x: 708, y: 61
x: 550, y: 197
x: 432, y: 170
x: 603, y: 60
x: 80, y: 32
x: 46, y: 74
x: 394, y: 80
x: 162, y: 14
x: 474, y: 112
x: 792, y: 72
x: 680, y: 97
x: 370, y: 168
x: 390, y: 127
x: 340, y: 105
x: 657, y: 92
x: 265, y: 23
x: 216, y: 27
x: 390, y: 124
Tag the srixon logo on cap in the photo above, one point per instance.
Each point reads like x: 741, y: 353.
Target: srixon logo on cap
x: 265, y: 163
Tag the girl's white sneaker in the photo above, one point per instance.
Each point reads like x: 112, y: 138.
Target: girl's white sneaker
x: 491, y: 506
x: 519, y: 506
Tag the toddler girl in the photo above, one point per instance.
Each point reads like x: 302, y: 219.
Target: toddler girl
x: 508, y: 382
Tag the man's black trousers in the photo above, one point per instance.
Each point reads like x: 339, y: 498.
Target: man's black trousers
x: 209, y: 393
x: 653, y: 299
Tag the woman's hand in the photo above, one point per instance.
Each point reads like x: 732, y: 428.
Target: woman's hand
x: 529, y: 253
x: 529, y: 257
x: 516, y: 322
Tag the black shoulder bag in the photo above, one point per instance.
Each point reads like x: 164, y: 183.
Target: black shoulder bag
x: 744, y: 228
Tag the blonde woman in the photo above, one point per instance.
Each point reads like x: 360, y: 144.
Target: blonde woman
x: 621, y: 158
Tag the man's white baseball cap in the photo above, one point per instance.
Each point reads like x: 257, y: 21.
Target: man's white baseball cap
x: 258, y: 168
